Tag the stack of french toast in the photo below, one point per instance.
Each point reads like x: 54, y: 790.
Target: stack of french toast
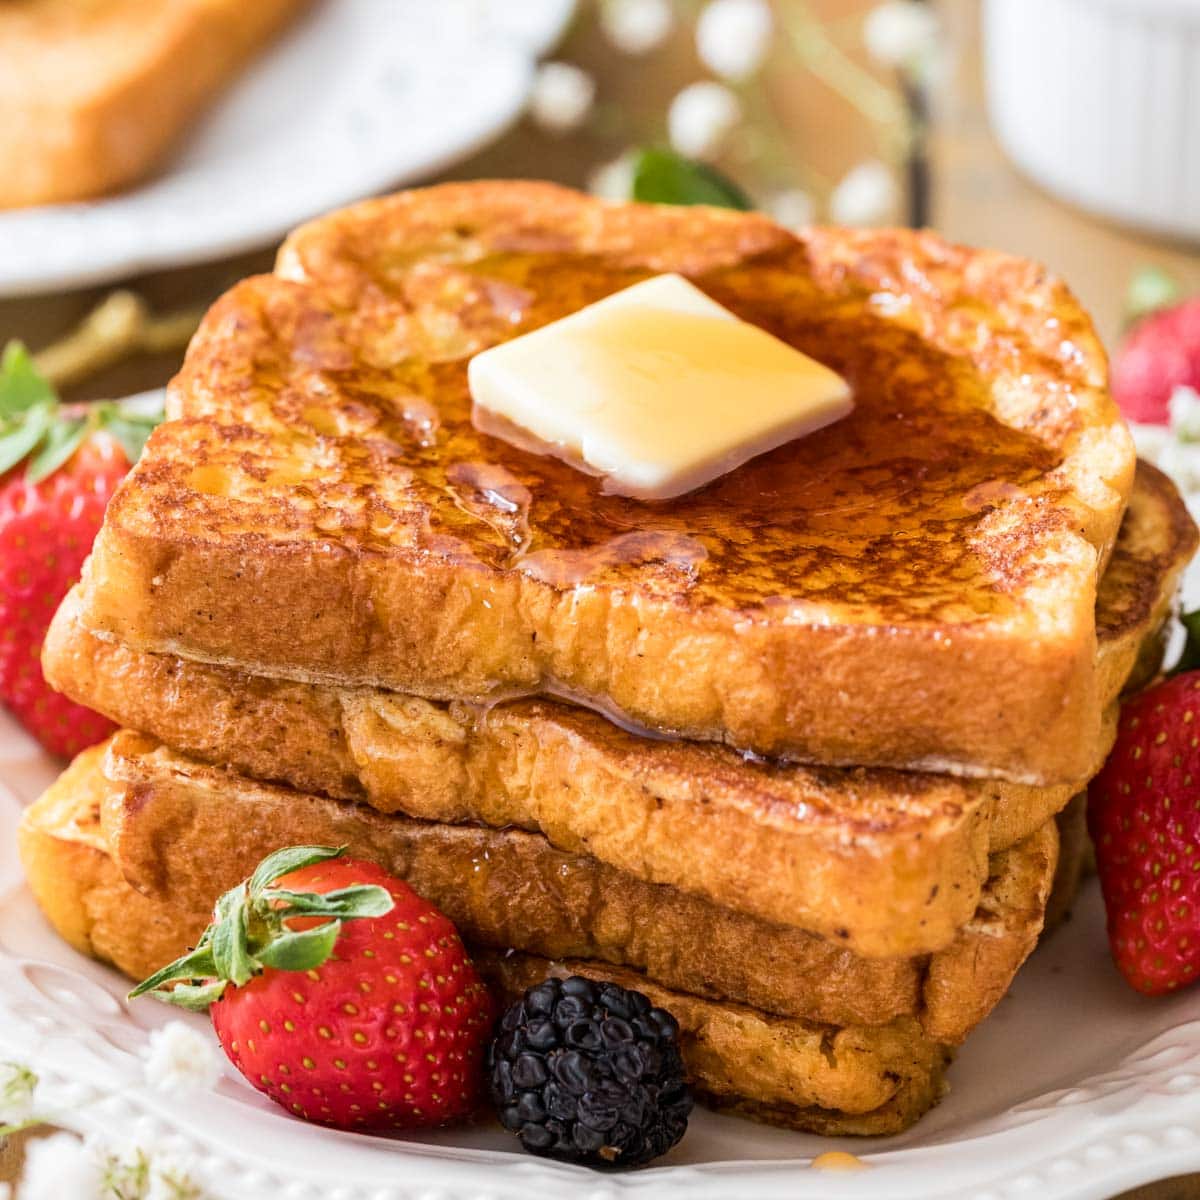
x: 797, y: 754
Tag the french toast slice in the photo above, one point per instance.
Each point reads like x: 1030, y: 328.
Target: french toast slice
x: 913, y: 586
x: 854, y: 1080
x: 887, y: 862
x: 94, y: 95
x: 174, y: 825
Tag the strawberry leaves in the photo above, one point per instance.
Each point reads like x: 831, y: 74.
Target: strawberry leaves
x: 250, y: 931
x: 35, y: 425
x: 130, y: 427
x: 21, y: 385
x: 1189, y: 660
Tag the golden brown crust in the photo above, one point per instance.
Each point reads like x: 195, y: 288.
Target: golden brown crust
x: 831, y: 850
x: 1074, y: 849
x: 878, y: 1080
x: 788, y: 1072
x: 93, y: 96
x: 168, y: 823
x: 296, y: 522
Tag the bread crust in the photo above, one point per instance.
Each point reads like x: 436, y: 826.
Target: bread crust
x: 167, y: 824
x: 290, y: 522
x: 854, y: 855
x: 94, y: 96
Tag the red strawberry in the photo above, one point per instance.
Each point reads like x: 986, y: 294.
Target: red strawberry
x: 374, y: 1019
x: 1161, y: 353
x: 1144, y: 817
x: 58, y: 467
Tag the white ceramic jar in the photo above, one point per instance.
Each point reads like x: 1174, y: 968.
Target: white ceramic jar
x: 1099, y: 102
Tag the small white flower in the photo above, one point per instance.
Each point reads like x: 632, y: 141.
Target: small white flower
x: 901, y: 33
x: 701, y: 118
x: 180, y: 1059
x: 793, y: 209
x: 1184, y: 414
x: 1181, y: 461
x: 866, y: 195
x: 613, y: 180
x: 17, y: 1085
x: 636, y: 26
x: 733, y: 37
x: 174, y: 1181
x: 59, y: 1166
x: 562, y: 97
x: 124, y: 1171
x: 1150, y: 440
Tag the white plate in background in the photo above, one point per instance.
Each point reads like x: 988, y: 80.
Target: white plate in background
x: 358, y: 97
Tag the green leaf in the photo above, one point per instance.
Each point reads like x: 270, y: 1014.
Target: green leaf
x: 287, y: 860
x: 195, y: 997
x: 1150, y: 289
x: 196, y: 964
x: 22, y: 437
x: 230, y: 952
x: 21, y: 384
x: 301, y: 951
x: 664, y: 177
x: 1189, y: 660
x: 361, y: 900
x: 60, y: 443
x: 130, y: 427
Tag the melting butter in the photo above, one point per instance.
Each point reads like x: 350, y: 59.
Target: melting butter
x: 657, y: 388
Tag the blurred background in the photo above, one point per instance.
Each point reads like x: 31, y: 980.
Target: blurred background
x: 989, y: 123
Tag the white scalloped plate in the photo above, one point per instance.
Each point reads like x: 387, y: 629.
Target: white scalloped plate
x: 1074, y: 1089
x: 361, y: 96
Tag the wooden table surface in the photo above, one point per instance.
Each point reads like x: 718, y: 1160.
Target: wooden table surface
x: 977, y: 197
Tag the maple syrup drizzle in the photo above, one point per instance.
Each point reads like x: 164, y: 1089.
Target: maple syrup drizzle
x: 882, y: 509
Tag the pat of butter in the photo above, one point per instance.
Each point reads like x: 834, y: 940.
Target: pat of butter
x: 657, y: 388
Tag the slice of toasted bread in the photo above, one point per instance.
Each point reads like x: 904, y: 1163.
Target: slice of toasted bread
x: 891, y: 862
x: 856, y: 1080
x: 913, y: 586
x: 94, y: 95
x: 179, y: 828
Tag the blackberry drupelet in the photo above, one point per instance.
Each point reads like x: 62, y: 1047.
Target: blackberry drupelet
x: 590, y: 1073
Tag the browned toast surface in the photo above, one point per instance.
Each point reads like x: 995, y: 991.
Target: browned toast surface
x: 193, y: 832
x: 93, y: 95
x: 855, y: 1080
x: 913, y: 586
x: 837, y: 851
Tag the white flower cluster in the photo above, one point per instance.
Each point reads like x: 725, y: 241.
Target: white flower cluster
x: 180, y: 1059
x: 17, y: 1087
x: 702, y: 117
x: 733, y: 37
x: 613, y: 180
x: 636, y: 26
x: 903, y: 34
x: 1175, y: 448
x: 793, y: 209
x: 64, y: 1167
x: 562, y: 97
x: 866, y: 195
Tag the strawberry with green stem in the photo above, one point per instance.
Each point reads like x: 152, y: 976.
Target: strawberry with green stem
x: 59, y: 465
x: 339, y: 993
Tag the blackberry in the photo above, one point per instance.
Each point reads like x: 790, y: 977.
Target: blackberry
x: 590, y: 1073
